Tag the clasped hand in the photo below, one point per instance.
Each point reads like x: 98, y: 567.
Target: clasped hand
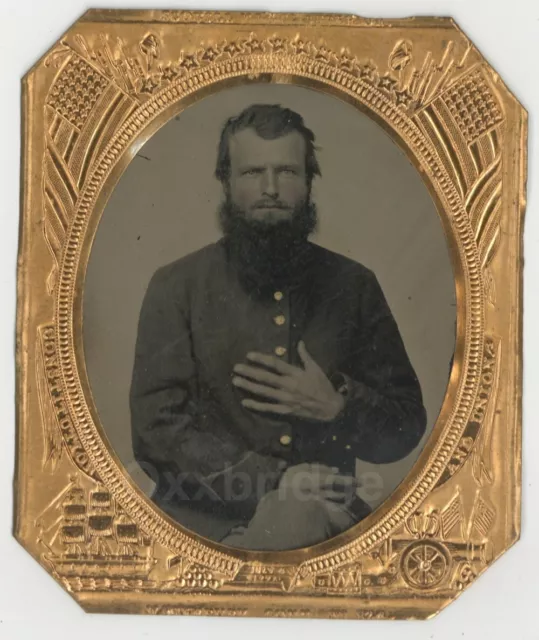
x: 305, y: 392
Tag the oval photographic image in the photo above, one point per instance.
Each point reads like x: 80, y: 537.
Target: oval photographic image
x: 269, y: 317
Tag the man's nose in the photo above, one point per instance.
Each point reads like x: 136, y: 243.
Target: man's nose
x: 270, y: 186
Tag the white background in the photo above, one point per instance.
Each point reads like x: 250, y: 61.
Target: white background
x: 504, y: 602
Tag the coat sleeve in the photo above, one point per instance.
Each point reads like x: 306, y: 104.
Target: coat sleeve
x: 168, y: 422
x: 178, y: 438
x: 383, y: 418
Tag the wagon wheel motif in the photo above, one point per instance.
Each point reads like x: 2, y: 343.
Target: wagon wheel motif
x: 425, y: 564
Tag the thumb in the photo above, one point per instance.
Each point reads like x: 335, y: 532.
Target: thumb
x: 305, y: 356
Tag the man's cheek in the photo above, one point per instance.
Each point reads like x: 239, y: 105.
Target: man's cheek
x: 293, y: 194
x: 245, y: 197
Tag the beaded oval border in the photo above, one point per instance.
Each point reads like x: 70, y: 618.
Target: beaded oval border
x: 307, y: 68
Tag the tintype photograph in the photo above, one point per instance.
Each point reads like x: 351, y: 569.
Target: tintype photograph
x: 269, y: 316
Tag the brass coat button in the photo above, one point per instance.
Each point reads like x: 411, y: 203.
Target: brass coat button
x: 279, y: 320
x: 278, y: 295
x: 285, y: 439
x: 280, y: 351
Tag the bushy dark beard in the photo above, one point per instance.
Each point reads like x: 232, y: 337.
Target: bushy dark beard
x: 268, y: 255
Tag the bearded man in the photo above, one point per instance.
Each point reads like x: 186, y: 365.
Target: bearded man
x: 265, y: 364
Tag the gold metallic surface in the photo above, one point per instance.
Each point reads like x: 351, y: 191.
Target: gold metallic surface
x: 88, y: 106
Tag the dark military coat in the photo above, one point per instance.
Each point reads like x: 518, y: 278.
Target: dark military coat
x: 210, y: 455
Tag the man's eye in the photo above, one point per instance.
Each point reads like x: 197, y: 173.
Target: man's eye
x: 251, y: 172
x: 289, y: 172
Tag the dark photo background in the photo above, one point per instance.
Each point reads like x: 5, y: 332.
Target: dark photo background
x: 373, y: 207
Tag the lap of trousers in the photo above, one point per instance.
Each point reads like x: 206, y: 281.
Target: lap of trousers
x: 281, y: 520
x: 286, y: 521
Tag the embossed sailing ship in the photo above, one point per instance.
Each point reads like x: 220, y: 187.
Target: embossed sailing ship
x: 93, y: 538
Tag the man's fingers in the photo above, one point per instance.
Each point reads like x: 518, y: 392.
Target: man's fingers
x: 272, y: 362
x: 261, y: 375
x: 326, y: 478
x: 260, y: 389
x: 266, y: 407
x: 339, y: 482
x: 338, y: 496
x: 323, y: 475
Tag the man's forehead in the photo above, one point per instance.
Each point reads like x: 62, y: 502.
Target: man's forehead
x: 247, y: 146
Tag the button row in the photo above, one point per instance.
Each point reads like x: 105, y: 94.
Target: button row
x: 285, y: 440
x: 279, y: 321
x: 334, y: 438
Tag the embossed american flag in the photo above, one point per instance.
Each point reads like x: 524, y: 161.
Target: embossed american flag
x: 466, y: 124
x: 483, y: 517
x: 82, y: 111
x: 452, y: 515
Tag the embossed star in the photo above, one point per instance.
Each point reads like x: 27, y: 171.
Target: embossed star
x: 300, y: 46
x: 189, y: 62
x: 254, y: 46
x: 323, y: 54
x: 210, y: 54
x: 169, y: 73
x: 232, y: 48
x: 149, y: 85
x: 347, y: 63
x: 277, y: 44
x: 367, y: 71
x: 403, y: 98
x: 387, y: 82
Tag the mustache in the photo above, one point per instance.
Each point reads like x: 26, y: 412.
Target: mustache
x: 236, y: 223
x: 271, y: 204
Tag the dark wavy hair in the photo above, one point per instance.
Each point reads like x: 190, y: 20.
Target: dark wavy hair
x: 269, y: 121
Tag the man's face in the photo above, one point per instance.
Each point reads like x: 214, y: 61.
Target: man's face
x: 268, y: 180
